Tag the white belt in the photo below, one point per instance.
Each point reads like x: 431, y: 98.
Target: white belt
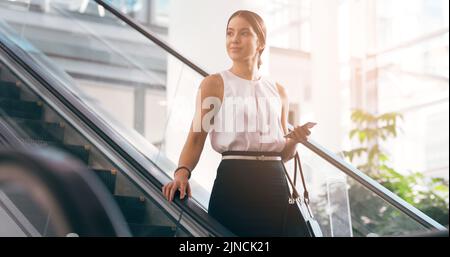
x: 248, y: 157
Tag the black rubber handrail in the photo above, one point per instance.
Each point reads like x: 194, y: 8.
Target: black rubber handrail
x: 155, y: 39
x: 8, y: 134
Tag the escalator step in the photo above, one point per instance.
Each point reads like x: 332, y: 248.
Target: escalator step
x: 9, y: 90
x: 139, y: 230
x: 81, y: 152
x: 133, y: 208
x: 42, y: 131
x: 21, y: 109
x: 108, y: 177
x: 77, y: 151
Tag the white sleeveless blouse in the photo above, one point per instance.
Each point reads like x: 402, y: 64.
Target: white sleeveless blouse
x: 249, y: 118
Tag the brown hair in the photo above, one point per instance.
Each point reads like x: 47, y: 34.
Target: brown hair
x: 257, y: 24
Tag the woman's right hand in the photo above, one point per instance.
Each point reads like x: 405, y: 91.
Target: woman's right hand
x: 301, y: 133
x: 181, y: 183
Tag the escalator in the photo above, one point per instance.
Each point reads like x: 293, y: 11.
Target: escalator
x: 40, y: 125
x: 37, y: 98
x: 46, y: 95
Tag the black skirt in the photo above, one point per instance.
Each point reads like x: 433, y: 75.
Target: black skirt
x: 250, y: 198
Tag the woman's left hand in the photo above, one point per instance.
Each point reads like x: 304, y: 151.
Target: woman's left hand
x: 301, y: 133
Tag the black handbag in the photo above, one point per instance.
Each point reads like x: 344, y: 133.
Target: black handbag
x: 314, y: 229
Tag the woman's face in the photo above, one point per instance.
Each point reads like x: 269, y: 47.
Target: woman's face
x: 242, y: 41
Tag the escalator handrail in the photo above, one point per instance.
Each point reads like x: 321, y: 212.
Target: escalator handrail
x: 155, y: 39
x: 105, y: 132
x: 373, y: 186
x: 8, y: 135
x: 365, y: 180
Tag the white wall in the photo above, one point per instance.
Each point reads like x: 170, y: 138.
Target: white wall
x: 326, y: 88
x: 292, y: 69
x: 155, y: 115
x: 117, y: 101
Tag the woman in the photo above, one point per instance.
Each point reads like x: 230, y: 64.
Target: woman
x: 250, y: 193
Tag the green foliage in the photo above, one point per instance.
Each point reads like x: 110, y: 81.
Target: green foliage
x: 428, y: 195
x: 369, y: 130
